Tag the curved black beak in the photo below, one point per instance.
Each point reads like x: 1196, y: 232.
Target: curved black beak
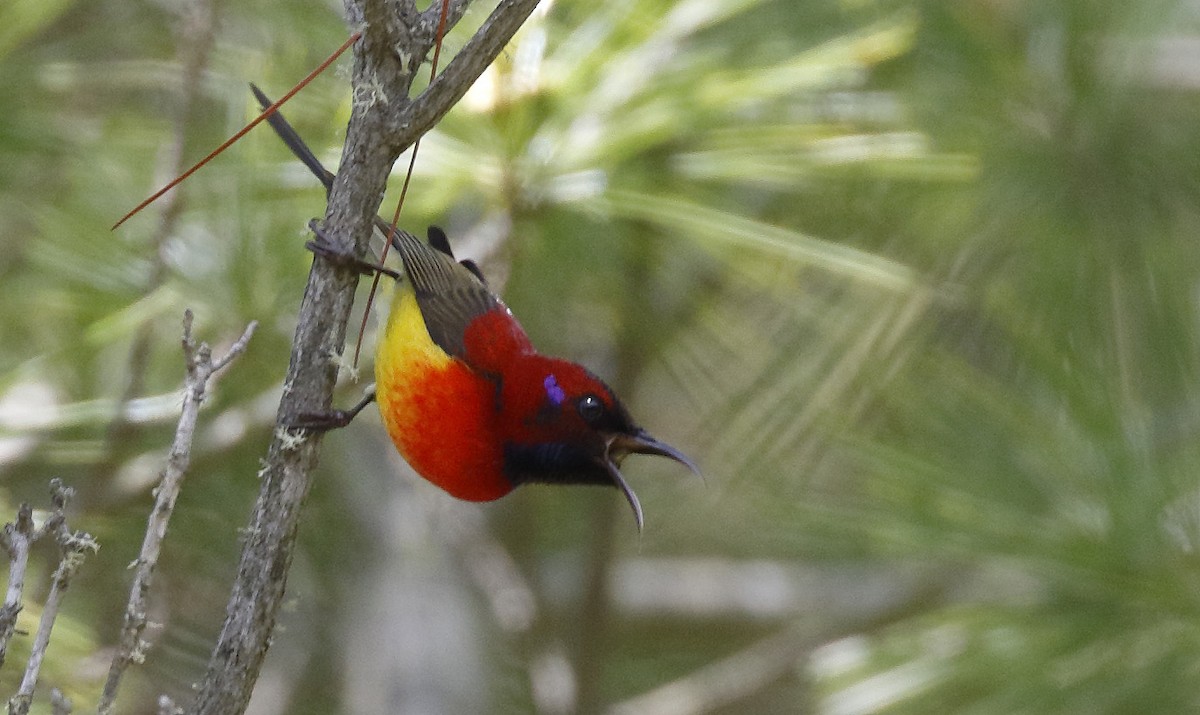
x: 639, y: 442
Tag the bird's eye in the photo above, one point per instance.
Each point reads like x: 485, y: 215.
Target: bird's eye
x: 591, y: 408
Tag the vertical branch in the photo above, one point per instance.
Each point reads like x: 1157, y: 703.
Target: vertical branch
x: 16, y: 539
x: 73, y: 548
x: 200, y: 367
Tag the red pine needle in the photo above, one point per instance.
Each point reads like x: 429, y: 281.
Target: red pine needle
x: 242, y: 132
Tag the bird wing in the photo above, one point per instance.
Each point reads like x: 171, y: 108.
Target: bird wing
x: 438, y: 239
x: 449, y: 295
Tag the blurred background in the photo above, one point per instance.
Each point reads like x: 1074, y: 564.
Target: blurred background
x: 915, y: 283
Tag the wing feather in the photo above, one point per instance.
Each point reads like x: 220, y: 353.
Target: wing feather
x: 449, y: 295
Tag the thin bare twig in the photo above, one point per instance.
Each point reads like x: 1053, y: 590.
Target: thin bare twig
x: 73, y: 548
x: 382, y: 123
x: 16, y: 539
x: 200, y: 367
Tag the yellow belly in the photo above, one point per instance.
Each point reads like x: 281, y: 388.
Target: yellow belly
x: 439, y: 413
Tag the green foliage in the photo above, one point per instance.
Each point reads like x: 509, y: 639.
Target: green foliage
x: 914, y: 283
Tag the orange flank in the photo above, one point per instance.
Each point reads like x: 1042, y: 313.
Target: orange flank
x: 437, y: 410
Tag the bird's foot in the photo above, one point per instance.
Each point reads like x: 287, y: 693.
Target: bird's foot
x: 324, y: 247
x: 331, y: 419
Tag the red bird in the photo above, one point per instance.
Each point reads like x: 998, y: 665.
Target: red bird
x: 469, y: 402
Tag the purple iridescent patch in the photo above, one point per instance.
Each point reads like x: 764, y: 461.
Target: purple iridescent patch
x: 554, y: 393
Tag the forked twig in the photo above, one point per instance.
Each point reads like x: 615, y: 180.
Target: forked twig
x: 73, y: 548
x: 200, y: 367
x: 16, y: 539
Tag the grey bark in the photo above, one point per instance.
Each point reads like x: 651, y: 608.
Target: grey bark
x: 73, y: 547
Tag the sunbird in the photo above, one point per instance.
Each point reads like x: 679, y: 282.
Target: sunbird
x: 469, y: 402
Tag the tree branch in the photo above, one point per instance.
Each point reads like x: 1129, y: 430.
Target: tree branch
x: 200, y: 367
x: 382, y: 123
x: 73, y: 548
x: 16, y: 539
x: 462, y: 71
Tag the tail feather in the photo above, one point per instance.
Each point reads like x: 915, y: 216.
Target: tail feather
x: 450, y: 294
x: 293, y: 141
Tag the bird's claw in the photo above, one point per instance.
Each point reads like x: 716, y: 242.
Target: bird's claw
x: 332, y: 419
x: 323, y: 421
x: 325, y: 247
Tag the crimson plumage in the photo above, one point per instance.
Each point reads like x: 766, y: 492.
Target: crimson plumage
x: 467, y: 399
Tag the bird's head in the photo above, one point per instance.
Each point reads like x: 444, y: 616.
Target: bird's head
x: 563, y: 425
